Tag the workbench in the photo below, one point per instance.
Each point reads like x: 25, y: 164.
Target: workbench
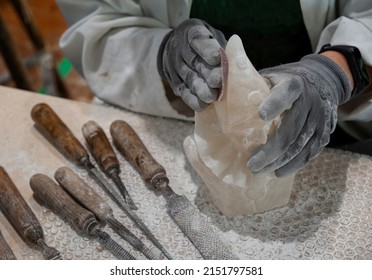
x: 328, y: 216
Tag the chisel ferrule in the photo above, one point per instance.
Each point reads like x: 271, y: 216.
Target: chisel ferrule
x: 159, y: 181
x: 49, y: 253
x: 91, y: 226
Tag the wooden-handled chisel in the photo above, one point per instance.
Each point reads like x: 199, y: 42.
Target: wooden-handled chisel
x: 195, y: 226
x: 104, y: 154
x: 56, y: 131
x: 87, y: 197
x: 22, y: 218
x: 53, y: 196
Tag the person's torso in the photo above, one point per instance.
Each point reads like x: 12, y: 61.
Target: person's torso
x: 273, y: 32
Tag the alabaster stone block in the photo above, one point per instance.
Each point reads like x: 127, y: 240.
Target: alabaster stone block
x: 226, y: 132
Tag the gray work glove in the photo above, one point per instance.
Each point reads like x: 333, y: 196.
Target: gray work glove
x: 308, y: 93
x: 189, y: 59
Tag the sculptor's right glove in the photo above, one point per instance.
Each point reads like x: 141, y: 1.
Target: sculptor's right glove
x: 189, y: 59
x: 308, y: 92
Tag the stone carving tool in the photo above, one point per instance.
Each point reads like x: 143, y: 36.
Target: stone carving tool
x: 57, y: 132
x: 87, y: 197
x: 104, y: 154
x: 50, y: 124
x: 53, y: 196
x: 6, y: 252
x: 22, y: 218
x: 195, y: 226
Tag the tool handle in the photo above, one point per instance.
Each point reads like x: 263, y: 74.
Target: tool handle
x: 17, y: 211
x: 58, y: 133
x: 83, y: 193
x: 52, y: 195
x: 104, y: 154
x: 131, y: 146
x: 100, y: 147
x: 6, y: 252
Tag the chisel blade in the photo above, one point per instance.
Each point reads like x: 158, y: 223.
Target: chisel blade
x: 123, y: 205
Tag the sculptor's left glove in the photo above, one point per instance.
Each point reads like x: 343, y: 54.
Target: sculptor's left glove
x: 308, y: 93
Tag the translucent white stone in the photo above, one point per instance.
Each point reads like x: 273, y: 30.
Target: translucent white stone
x: 226, y: 132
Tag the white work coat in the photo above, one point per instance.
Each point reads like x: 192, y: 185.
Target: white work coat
x: 114, y: 45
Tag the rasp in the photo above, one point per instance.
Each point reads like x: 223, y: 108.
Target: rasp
x: 194, y: 225
x: 87, y: 197
x: 53, y: 196
x: 22, y: 218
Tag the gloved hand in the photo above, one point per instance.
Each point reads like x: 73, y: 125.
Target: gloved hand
x: 308, y: 93
x: 189, y: 59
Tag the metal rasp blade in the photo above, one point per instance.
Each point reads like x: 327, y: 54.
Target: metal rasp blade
x: 197, y: 228
x: 110, y: 244
x: 190, y: 221
x: 136, y: 243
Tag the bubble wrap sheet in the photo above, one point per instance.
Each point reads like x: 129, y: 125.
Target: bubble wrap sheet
x: 328, y: 216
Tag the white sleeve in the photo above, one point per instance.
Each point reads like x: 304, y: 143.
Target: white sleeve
x: 344, y: 22
x: 114, y: 45
x: 353, y: 27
